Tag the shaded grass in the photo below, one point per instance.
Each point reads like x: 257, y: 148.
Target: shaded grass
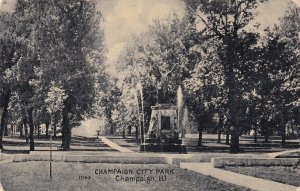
x: 211, y: 145
x: 246, y: 145
x: 78, y: 143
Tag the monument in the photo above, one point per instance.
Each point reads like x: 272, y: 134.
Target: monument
x: 163, y: 132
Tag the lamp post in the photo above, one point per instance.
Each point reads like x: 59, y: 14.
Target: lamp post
x: 142, y: 122
x: 138, y: 113
x: 50, y: 167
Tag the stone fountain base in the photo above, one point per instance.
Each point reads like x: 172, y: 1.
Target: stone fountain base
x: 163, y: 133
x: 156, y: 145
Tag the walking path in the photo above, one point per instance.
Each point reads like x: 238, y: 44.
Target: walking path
x: 5, y: 159
x: 115, y: 146
x: 238, y: 179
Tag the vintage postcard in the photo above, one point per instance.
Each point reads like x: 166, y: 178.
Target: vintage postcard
x: 122, y: 95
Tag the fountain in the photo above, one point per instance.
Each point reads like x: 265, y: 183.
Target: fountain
x: 164, y: 128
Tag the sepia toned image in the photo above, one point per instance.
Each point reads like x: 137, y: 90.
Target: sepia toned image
x: 149, y: 95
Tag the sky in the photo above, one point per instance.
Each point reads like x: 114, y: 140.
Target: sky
x: 7, y: 5
x: 124, y: 18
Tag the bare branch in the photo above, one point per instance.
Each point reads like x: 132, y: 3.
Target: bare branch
x: 211, y: 28
x: 243, y: 11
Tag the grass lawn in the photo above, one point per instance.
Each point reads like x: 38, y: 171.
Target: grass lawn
x: 247, y: 145
x: 286, y: 175
x: 31, y: 176
x: 209, y: 144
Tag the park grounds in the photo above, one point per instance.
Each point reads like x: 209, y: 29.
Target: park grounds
x: 75, y: 169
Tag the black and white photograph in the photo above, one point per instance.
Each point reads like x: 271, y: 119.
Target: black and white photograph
x: 149, y: 95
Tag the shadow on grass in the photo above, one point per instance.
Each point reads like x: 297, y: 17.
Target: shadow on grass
x: 9, y: 151
x: 78, y: 143
x: 71, y: 149
x: 20, y: 144
x: 203, y: 148
x: 46, y: 138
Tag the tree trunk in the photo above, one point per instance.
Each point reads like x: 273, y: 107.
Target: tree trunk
x: 233, y: 98
x: 110, y: 122
x: 26, y: 129
x: 129, y: 130
x: 6, y: 127
x: 124, y: 132
x: 220, y: 129
x: 266, y: 137
x: 5, y: 101
x: 142, y: 131
x: 227, y: 137
x: 35, y: 128
x: 283, y: 136
x: 136, y: 132
x: 12, y: 129
x: 38, y: 127
x: 66, y: 129
x: 54, y: 129
x: 31, y: 129
x: 111, y: 131
x: 47, y: 129
x: 266, y: 134
x: 200, y: 137
x: 219, y: 136
x: 265, y: 127
x: 255, y: 133
x: 233, y: 117
x: 20, y: 126
x: 234, y: 142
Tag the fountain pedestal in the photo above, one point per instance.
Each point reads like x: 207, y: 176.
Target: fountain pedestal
x: 163, y: 133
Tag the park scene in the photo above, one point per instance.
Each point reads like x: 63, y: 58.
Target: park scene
x: 150, y: 95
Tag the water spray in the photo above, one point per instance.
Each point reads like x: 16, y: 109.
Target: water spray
x: 179, y: 107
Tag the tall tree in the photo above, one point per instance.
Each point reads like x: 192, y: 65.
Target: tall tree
x: 68, y: 41
x: 15, y: 50
x: 81, y: 41
x: 227, y: 20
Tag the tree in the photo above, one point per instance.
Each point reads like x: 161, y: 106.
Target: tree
x: 277, y: 77
x: 159, y: 59
x: 108, y: 103
x: 72, y: 58
x: 14, y: 45
x: 25, y: 28
x: 205, y: 92
x: 288, y: 31
x: 227, y: 19
x: 54, y: 101
x: 53, y: 44
x: 281, y: 57
x: 6, y: 63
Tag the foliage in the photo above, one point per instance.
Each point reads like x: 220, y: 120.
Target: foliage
x: 56, y: 57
